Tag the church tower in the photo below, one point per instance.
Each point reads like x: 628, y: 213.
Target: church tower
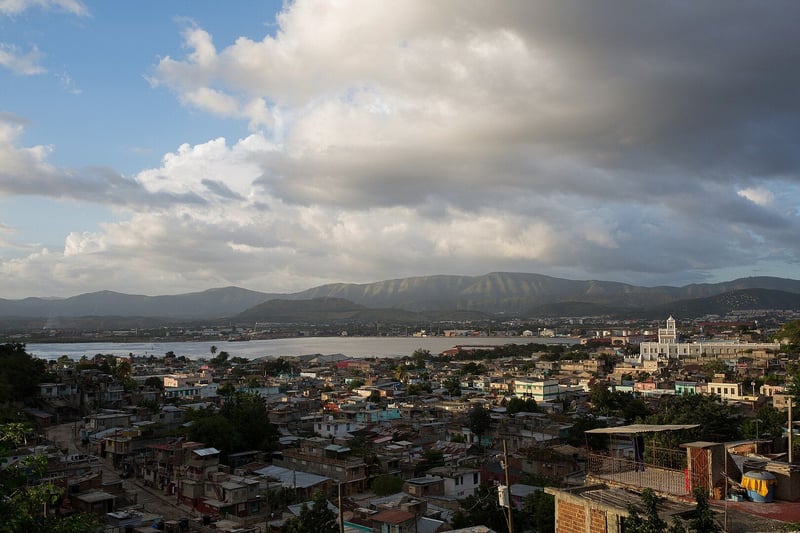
x: 668, y: 335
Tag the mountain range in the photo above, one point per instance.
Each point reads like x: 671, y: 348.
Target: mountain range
x: 498, y: 293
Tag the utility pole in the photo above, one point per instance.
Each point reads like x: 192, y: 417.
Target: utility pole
x: 791, y: 429
x: 508, y: 489
x: 341, y: 512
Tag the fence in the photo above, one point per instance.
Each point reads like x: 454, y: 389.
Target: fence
x: 662, y: 470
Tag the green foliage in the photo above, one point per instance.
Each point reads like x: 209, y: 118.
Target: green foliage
x: 226, y: 389
x: 279, y: 366
x: 579, y: 437
x: 19, y: 373
x: 770, y: 423
x: 420, y: 356
x: 481, y: 508
x: 789, y: 335
x: 608, y: 362
x: 415, y: 389
x: 793, y: 379
x: 479, y: 420
x: 473, y: 368
x: 355, y: 383
x: 716, y: 366
x: 242, y: 424
x: 453, y: 386
x: 617, y: 403
x: 123, y: 370
x: 315, y: 519
x: 703, y: 521
x: 154, y: 382
x: 220, y: 360
x: 387, y: 484
x: 650, y: 522
x: 538, y: 513
x: 26, y: 506
x: 150, y: 405
x: 719, y: 421
x: 430, y: 459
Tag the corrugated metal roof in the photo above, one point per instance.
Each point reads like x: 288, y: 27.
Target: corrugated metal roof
x: 633, y: 429
x: 206, y: 451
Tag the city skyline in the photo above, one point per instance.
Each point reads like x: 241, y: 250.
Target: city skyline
x: 163, y: 148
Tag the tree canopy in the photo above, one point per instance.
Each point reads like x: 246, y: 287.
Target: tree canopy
x: 718, y: 420
x: 19, y: 373
x: 318, y: 518
x: 518, y: 405
x: 789, y: 334
x: 481, y: 508
x: 27, y: 504
x: 242, y: 424
x: 479, y: 420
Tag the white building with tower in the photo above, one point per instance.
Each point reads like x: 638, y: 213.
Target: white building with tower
x: 669, y: 346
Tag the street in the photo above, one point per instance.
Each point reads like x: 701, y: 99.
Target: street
x: 67, y: 436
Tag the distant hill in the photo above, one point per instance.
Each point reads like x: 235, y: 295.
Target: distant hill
x: 722, y: 304
x: 339, y: 310
x: 438, y: 296
x: 502, y: 292
x: 212, y: 303
x: 577, y: 309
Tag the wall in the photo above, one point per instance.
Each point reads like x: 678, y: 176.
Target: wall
x: 575, y: 514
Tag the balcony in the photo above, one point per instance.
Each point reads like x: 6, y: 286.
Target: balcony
x: 663, y: 470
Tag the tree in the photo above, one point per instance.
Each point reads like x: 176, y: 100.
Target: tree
x: 771, y: 422
x: 248, y: 412
x: 400, y: 372
x: 703, y: 521
x: 578, y: 436
x: 473, y: 368
x: 539, y: 511
x: 453, y: 386
x: 387, y: 484
x: 421, y: 356
x: 19, y: 373
x: 716, y: 366
x: 601, y: 398
x: 789, y: 335
x: 624, y: 404
x: 355, y: 383
x: 318, y: 518
x: 220, y: 360
x: 28, y: 507
x: 241, y: 424
x: 226, y: 389
x: 123, y: 370
x: 718, y: 421
x: 430, y: 459
x: 479, y: 420
x: 650, y: 522
x: 154, y: 382
x: 482, y: 508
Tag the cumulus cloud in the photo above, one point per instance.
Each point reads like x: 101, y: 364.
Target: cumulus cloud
x: 758, y: 196
x: 15, y: 7
x: 18, y: 62
x: 654, y: 143
x: 26, y: 171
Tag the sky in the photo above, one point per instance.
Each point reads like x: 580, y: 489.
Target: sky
x: 158, y: 147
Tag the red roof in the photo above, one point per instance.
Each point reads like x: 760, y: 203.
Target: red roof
x: 393, y: 516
